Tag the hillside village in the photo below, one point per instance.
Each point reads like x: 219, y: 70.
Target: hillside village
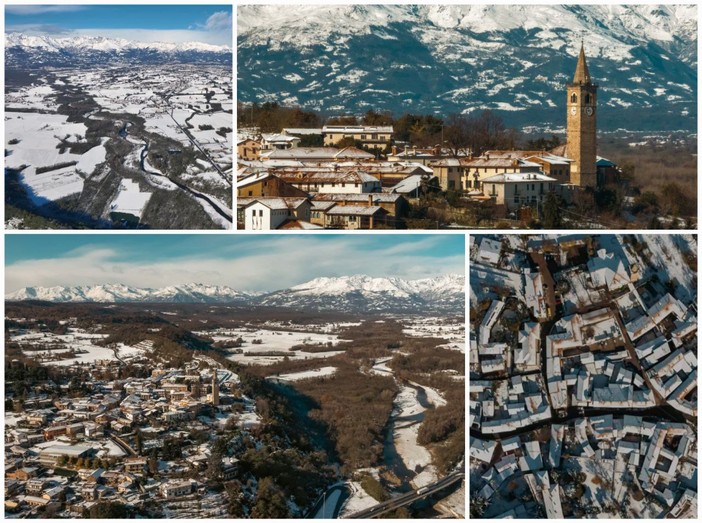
x: 76, y: 446
x: 358, y: 175
x: 583, y: 390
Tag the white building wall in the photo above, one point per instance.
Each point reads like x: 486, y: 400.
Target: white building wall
x: 258, y: 217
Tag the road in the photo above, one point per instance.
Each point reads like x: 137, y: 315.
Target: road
x: 225, y: 177
x: 122, y: 444
x: 187, y: 189
x: 409, y: 498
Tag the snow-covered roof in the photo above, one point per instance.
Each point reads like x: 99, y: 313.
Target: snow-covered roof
x: 409, y: 184
x: 355, y: 129
x: 355, y: 210
x: 277, y: 137
x: 362, y: 197
x: 301, y: 131
x: 553, y: 159
x: 274, y: 203
x: 517, y: 177
x: 252, y: 178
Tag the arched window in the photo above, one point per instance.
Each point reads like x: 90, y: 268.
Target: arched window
x: 587, y: 99
x: 573, y: 98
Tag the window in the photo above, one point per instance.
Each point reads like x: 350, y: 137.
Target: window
x: 587, y: 99
x: 574, y: 98
x: 250, y: 193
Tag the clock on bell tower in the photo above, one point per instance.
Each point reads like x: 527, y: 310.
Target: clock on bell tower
x: 581, y: 128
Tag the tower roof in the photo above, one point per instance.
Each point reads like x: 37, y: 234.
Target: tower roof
x: 582, y: 74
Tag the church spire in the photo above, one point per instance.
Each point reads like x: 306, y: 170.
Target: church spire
x: 582, y: 74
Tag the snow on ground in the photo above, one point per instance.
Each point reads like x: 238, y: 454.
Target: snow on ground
x: 11, y: 419
x: 162, y: 123
x: 76, y: 340
x: 454, y: 505
x: 129, y: 351
x: 51, y: 185
x: 359, y: 500
x: 214, y: 215
x: 92, y: 158
x: 202, y: 179
x: 579, y: 294
x: 667, y: 259
x: 380, y: 367
x: 130, y: 199
x: 414, y: 456
x: 304, y: 375
x: 433, y: 396
x: 31, y: 140
x: 453, y: 332
x: 38, y: 135
x: 109, y: 449
x: 216, y: 120
x: 35, y: 97
x: 274, y: 341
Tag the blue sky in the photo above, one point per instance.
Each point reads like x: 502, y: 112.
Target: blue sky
x: 169, y: 23
x: 256, y: 263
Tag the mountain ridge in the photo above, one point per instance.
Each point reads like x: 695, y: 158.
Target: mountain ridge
x: 514, y: 60
x: 31, y: 51
x: 356, y: 293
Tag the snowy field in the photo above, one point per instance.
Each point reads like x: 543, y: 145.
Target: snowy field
x: 130, y: 199
x: 58, y: 347
x: 306, y: 375
x: 31, y: 140
x: 273, y: 341
x: 453, y: 333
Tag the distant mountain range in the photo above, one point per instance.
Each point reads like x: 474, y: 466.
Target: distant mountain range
x: 29, y: 51
x: 514, y: 59
x: 442, y: 294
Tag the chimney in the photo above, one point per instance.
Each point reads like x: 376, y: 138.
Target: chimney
x: 487, y: 156
x: 370, y: 200
x: 414, y: 150
x: 394, y: 150
x: 437, y: 150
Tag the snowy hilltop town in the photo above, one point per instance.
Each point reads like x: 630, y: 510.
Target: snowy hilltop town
x: 583, y: 365
x: 476, y: 125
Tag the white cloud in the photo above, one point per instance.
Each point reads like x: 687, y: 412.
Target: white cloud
x: 41, y: 9
x: 219, y: 21
x: 273, y: 265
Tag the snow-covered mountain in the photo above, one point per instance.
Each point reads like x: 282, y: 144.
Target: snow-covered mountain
x: 365, y: 293
x: 23, y: 50
x: 118, y: 293
x: 342, y: 294
x: 515, y: 59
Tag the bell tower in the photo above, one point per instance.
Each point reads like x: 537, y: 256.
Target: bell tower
x: 581, y: 128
